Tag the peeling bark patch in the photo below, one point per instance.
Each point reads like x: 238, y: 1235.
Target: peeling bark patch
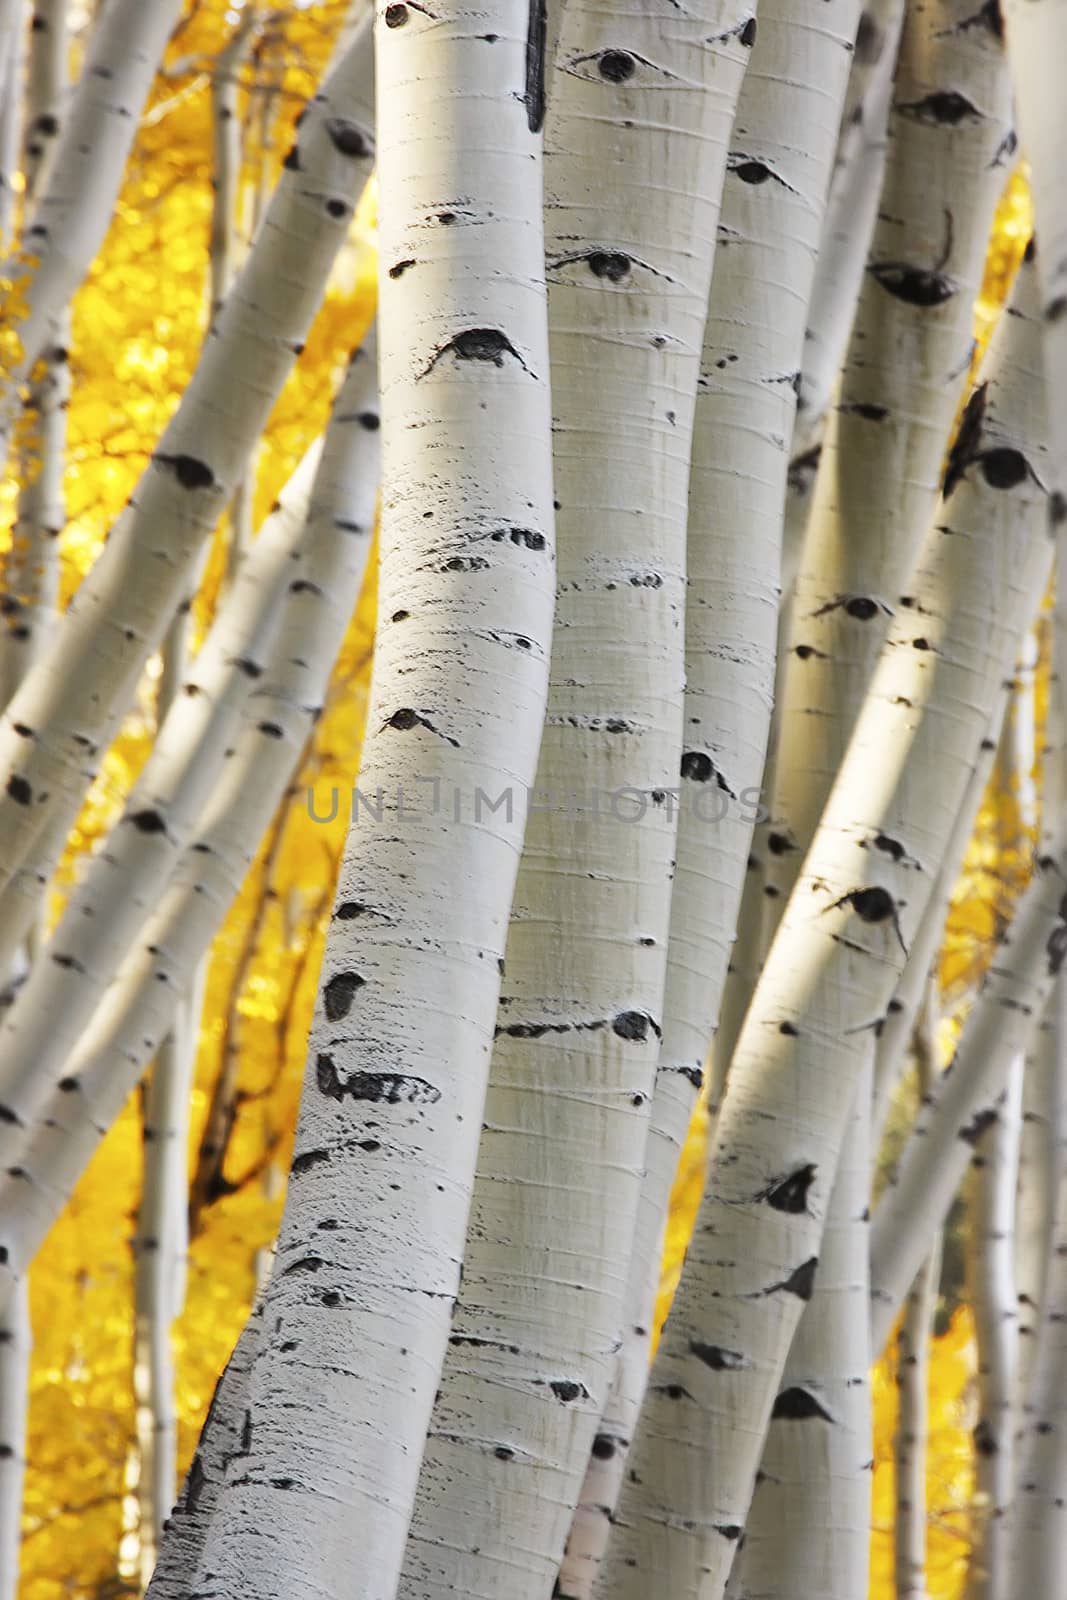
x: 717, y: 1357
x: 977, y: 1126
x: 799, y: 1405
x: 477, y: 344
x: 19, y: 790
x: 536, y: 40
x: 943, y: 106
x: 394, y: 1088
x: 616, y: 66
x: 339, y: 993
x: 791, y: 1193
x: 190, y: 472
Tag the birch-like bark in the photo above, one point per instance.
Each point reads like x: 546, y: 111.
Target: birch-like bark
x: 74, y: 209
x: 15, y: 1346
x: 226, y: 148
x: 935, y: 1158
x: 899, y: 1023
x: 830, y: 973
x: 638, y: 91
x: 124, y: 880
x: 223, y: 1439
x: 45, y: 108
x: 991, y: 1287
x: 911, y: 1440
x: 777, y: 175
x: 808, y: 1527
x: 137, y: 1010
x: 373, y: 1233
x: 908, y: 356
x: 57, y: 726
x: 12, y: 62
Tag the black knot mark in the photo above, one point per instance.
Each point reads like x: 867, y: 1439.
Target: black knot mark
x: 977, y: 1126
x: 699, y: 768
x: 489, y: 345
x: 916, y: 286
x: 390, y: 1088
x: 1003, y: 467
x: 19, y: 790
x: 730, y: 1531
x: 400, y: 267
x: 799, y: 1405
x: 968, y: 437
x: 396, y: 16
x: 346, y: 137
x: 348, y: 910
x: 870, y: 40
x: 1057, y: 510
x: 867, y: 409
x: 944, y: 106
x: 292, y: 159
x: 616, y: 65
x: 633, y: 1025
x: 1056, y: 948
x: 190, y: 471
x: 717, y: 1357
x: 407, y: 718
x: 610, y: 264
x: 801, y: 1281
x: 790, y: 1193
x: 985, y: 1440
x: 861, y: 607
x: 566, y: 1390
x: 780, y: 844
x: 536, y: 44
x: 339, y: 993
x: 750, y: 171
x: 789, y: 1030
x: 603, y: 1447
x: 747, y: 36
x: 309, y: 1159
x: 890, y: 847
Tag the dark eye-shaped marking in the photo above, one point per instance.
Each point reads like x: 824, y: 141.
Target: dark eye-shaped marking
x: 618, y: 66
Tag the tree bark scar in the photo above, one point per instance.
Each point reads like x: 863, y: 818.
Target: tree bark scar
x: 536, y: 43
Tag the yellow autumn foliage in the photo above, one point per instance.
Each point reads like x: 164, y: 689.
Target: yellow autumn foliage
x: 137, y: 326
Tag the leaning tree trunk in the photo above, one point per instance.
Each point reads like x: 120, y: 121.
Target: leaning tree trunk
x: 15, y: 1342
x: 574, y: 1064
x: 358, y: 1308
x: 137, y: 1010
x: 56, y: 729
x: 831, y: 972
x: 773, y: 198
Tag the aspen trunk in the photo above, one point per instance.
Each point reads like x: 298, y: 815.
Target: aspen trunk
x: 55, y: 731
x: 392, y: 1108
x: 580, y: 1021
x: 991, y: 1283
x: 829, y: 975
x: 911, y: 1440
x: 45, y: 107
x: 15, y: 1343
x: 137, y: 1010
x: 772, y: 202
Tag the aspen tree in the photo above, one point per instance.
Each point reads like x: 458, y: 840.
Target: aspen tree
x: 772, y: 201
x: 368, y: 1259
x: 1042, y: 1144
x: 73, y: 210
x: 124, y: 879
x: 55, y: 731
x: 15, y: 1342
x: 909, y: 353
x: 137, y: 1010
x: 46, y: 92
x: 935, y: 1158
x: 645, y: 91
x: 838, y: 953
x: 911, y: 1439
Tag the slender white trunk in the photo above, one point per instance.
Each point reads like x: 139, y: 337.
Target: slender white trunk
x: 45, y: 109
x: 226, y: 141
x: 123, y: 881
x: 1038, y: 1181
x: 55, y: 731
x: 911, y: 1440
x: 908, y: 357
x: 223, y: 1439
x: 898, y: 1025
x: 12, y: 63
x: 15, y: 1345
x: 772, y: 203
x: 574, y: 1065
x: 829, y: 975
x: 75, y: 207
x: 1012, y: 997
x: 808, y: 1527
x: 991, y: 1288
x: 367, y: 1272
x: 137, y: 1010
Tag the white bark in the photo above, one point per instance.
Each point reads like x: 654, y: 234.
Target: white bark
x: 123, y: 881
x: 223, y: 1438
x: 49, y: 48
x: 226, y: 141
x: 911, y: 1439
x: 808, y: 1527
x: 645, y: 90
x: 369, y: 1252
x: 15, y: 1345
x: 57, y: 726
x: 991, y: 1287
x: 137, y: 1010
x: 999, y: 1025
x: 909, y: 355
x: 829, y: 975
x: 12, y: 61
x: 74, y: 209
x: 783, y: 142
